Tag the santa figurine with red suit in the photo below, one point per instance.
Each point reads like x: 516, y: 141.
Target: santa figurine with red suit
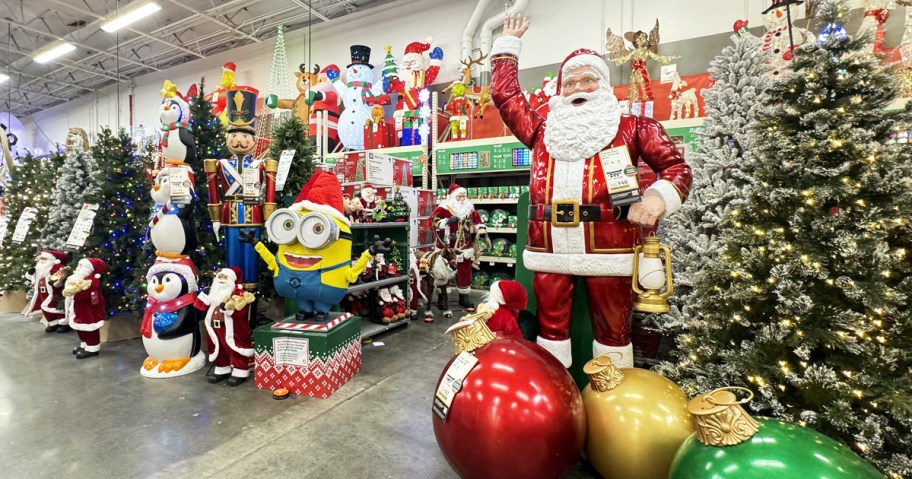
x: 577, y: 226
x: 505, y: 300
x: 47, y: 287
x: 85, y: 305
x: 457, y: 225
x: 228, y: 326
x: 368, y: 200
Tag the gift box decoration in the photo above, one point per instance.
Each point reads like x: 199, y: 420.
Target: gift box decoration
x: 307, y: 361
x: 380, y: 135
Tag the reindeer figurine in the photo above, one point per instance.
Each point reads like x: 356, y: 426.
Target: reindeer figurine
x: 304, y: 80
x: 435, y: 270
x: 480, y: 95
x: 683, y: 102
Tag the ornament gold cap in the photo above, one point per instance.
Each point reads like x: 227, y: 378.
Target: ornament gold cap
x: 603, y: 374
x: 472, y: 332
x: 719, y: 418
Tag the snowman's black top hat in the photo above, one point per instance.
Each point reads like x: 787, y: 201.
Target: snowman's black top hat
x: 782, y: 3
x: 361, y: 55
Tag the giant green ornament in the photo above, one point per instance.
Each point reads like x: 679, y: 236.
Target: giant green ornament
x: 729, y: 444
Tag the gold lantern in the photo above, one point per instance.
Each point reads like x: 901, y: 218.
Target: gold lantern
x: 651, y: 275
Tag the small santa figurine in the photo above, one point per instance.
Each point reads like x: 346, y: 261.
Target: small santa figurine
x: 227, y: 308
x: 368, y: 200
x: 505, y: 300
x: 85, y: 305
x: 47, y: 286
x: 457, y: 223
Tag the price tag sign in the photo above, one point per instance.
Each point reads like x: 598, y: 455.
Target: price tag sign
x: 4, y: 226
x: 620, y: 176
x: 668, y: 73
x: 25, y: 222
x: 252, y: 182
x: 284, y: 167
x: 179, y: 180
x: 82, y: 228
x: 291, y: 351
x: 452, y: 383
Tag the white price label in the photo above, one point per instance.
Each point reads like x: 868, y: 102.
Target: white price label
x: 22, y: 226
x: 291, y: 351
x: 284, y: 167
x: 82, y: 228
x: 252, y: 180
x: 669, y: 72
x: 620, y: 176
x: 4, y: 226
x: 179, y: 181
x: 452, y: 383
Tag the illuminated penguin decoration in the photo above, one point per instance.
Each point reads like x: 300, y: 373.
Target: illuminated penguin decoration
x: 177, y: 142
x: 313, y: 265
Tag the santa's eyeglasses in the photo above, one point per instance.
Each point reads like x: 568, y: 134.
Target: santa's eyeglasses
x: 313, y: 230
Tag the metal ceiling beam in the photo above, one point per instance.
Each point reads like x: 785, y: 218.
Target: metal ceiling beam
x: 10, y: 87
x: 311, y: 10
x: 216, y: 20
x: 141, y: 34
x: 66, y: 64
x: 80, y: 45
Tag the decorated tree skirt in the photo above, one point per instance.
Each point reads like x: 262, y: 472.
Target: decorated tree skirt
x: 307, y: 363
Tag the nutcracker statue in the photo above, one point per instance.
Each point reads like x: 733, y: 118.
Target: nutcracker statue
x: 238, y: 186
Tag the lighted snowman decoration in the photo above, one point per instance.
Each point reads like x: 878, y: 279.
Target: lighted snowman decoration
x: 775, y: 45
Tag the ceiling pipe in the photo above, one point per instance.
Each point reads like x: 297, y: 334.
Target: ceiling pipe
x: 468, y: 33
x: 487, y: 35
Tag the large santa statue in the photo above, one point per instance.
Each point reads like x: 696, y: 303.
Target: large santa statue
x: 47, y: 287
x: 85, y: 305
x: 322, y: 97
x: 458, y: 224
x: 228, y: 326
x: 579, y: 152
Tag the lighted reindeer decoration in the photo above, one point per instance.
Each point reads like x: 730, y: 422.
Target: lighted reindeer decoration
x: 481, y: 95
x: 304, y: 80
x: 683, y: 102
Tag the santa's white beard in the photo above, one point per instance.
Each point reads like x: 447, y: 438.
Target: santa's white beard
x: 220, y: 292
x: 411, y: 64
x: 77, y: 277
x: 578, y: 132
x: 461, y: 208
x: 43, y: 269
x: 323, y: 86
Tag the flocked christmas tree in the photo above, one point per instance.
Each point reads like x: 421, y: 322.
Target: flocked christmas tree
x: 120, y: 229
x: 77, y: 183
x: 721, y: 164
x: 209, y: 135
x: 291, y: 134
x: 32, y: 185
x: 811, y: 298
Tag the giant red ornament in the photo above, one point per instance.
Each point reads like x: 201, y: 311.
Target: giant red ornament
x: 518, y: 413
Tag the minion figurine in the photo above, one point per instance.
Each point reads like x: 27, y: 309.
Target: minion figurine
x: 313, y: 264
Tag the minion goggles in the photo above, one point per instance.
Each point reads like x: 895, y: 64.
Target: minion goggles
x: 313, y: 230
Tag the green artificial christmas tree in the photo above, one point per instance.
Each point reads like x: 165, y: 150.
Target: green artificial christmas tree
x: 810, y: 301
x: 77, y: 183
x: 120, y: 228
x: 398, y: 208
x: 390, y: 70
x: 291, y: 134
x: 209, y: 135
x: 32, y: 185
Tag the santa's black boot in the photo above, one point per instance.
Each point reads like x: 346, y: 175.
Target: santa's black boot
x: 465, y: 303
x: 441, y: 303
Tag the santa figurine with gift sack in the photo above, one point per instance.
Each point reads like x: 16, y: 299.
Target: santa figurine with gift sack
x: 322, y: 97
x: 48, y: 278
x: 457, y: 225
x: 85, y: 305
x: 583, y: 222
x: 367, y: 197
x: 227, y: 321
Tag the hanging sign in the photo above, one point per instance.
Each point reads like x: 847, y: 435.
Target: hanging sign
x: 82, y: 228
x: 22, y: 226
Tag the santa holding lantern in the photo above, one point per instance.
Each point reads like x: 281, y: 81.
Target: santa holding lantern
x: 47, y: 287
x: 457, y: 225
x: 585, y: 211
x: 227, y: 309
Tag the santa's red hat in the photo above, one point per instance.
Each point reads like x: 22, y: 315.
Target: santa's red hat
x: 583, y: 57
x: 96, y: 265
x: 454, y: 190
x: 230, y: 66
x: 368, y: 186
x: 234, y: 274
x: 183, y: 267
x: 419, y: 47
x: 57, y: 256
x: 322, y: 194
x: 507, y: 295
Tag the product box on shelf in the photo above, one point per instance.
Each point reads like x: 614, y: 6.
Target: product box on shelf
x: 425, y: 202
x: 311, y: 362
x: 374, y: 168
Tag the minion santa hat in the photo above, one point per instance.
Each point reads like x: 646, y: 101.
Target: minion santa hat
x: 322, y: 194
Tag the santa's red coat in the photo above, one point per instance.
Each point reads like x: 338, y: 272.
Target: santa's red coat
x: 442, y: 212
x: 228, y: 333
x: 86, y: 311
x: 45, y: 297
x: 505, y: 323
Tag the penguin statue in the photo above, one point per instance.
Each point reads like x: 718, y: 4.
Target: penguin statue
x: 170, y: 327
x: 177, y: 143
x: 172, y: 229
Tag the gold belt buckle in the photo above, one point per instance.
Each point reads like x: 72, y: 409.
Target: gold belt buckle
x: 564, y: 217
x: 217, y: 323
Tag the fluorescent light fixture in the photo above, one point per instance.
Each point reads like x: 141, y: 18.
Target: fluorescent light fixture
x: 131, y: 16
x: 3, y: 77
x: 55, y: 52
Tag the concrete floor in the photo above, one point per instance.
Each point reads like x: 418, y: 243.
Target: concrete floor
x: 98, y: 418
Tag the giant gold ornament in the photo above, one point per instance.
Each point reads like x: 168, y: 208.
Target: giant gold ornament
x: 730, y: 444
x: 636, y: 418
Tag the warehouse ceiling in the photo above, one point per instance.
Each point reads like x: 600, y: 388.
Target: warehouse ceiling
x: 183, y: 30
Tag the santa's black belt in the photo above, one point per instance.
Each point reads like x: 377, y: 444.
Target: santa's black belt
x: 570, y: 213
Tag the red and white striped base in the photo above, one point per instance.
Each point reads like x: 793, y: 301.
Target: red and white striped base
x: 312, y: 327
